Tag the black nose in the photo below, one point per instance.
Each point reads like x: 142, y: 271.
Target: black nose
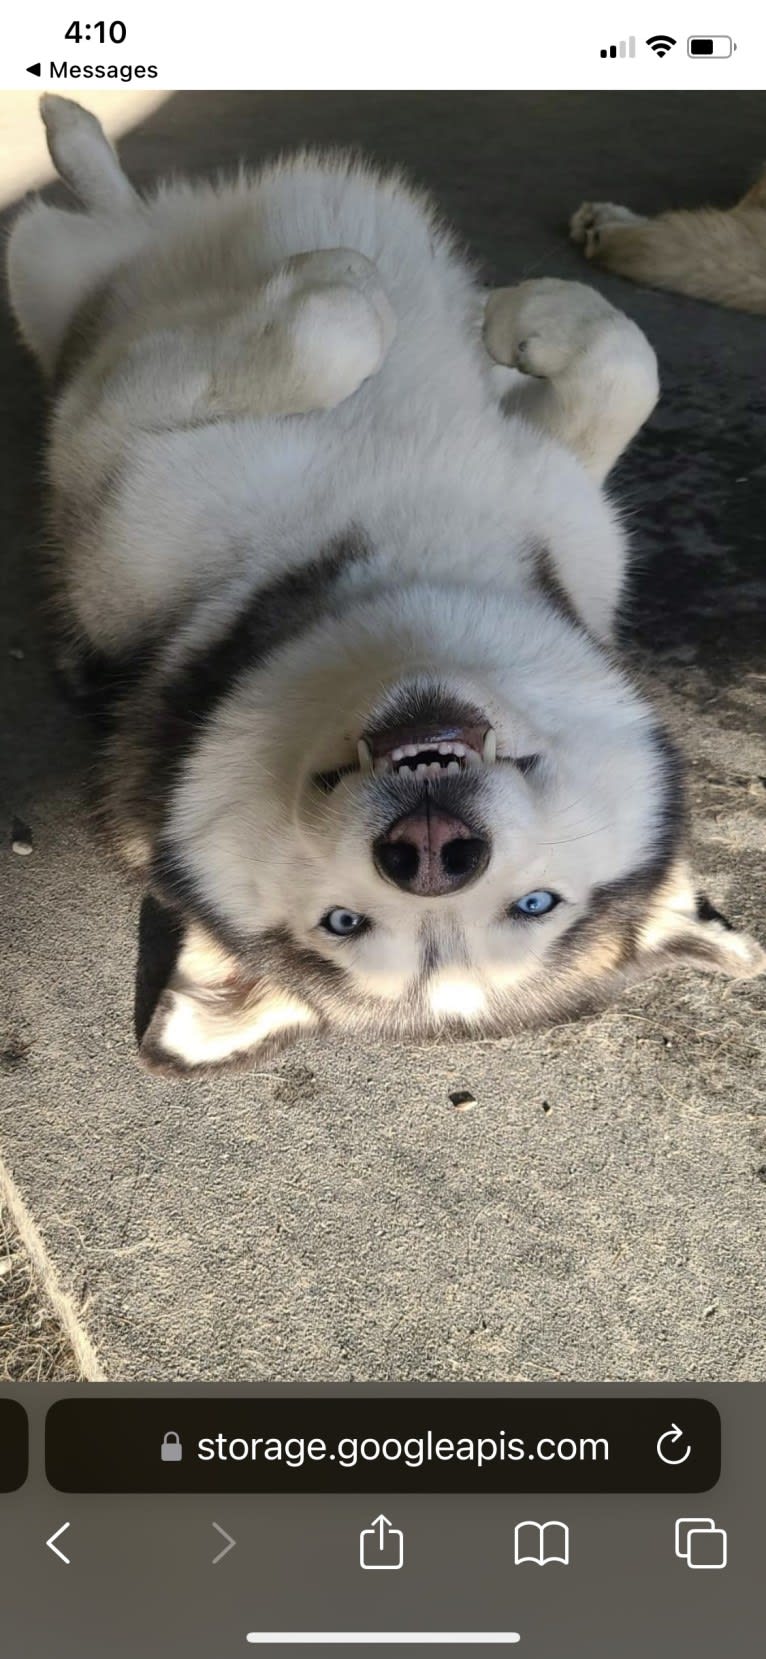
x: 430, y: 854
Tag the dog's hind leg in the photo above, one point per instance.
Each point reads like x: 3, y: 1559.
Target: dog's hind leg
x: 590, y: 374
x: 57, y: 259
x: 84, y: 158
x: 318, y: 329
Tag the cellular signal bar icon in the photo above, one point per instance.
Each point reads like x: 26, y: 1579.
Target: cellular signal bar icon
x: 624, y: 49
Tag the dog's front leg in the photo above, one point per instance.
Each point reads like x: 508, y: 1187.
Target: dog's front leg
x: 591, y: 375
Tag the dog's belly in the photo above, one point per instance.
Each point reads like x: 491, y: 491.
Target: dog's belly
x: 191, y: 511
x: 159, y: 509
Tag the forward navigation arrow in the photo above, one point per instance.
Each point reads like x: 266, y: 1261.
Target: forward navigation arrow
x: 230, y: 1544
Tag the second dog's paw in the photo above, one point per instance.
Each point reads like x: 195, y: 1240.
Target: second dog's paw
x: 540, y: 327
x: 586, y: 225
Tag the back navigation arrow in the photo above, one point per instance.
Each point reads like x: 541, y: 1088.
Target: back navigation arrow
x: 50, y: 1544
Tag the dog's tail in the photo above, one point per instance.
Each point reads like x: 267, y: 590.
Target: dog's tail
x: 82, y: 154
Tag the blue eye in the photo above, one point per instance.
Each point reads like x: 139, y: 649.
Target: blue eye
x: 342, y: 923
x: 536, y: 904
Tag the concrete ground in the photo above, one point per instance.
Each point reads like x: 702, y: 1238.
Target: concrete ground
x: 598, y: 1212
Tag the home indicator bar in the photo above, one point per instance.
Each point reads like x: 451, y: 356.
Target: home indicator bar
x: 382, y: 1638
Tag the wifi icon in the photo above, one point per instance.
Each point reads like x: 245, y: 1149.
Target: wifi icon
x: 661, y: 44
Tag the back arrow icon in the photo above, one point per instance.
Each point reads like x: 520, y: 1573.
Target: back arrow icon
x: 230, y: 1544
x: 50, y: 1544
x: 673, y: 1435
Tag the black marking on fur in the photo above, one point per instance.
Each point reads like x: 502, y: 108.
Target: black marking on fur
x: 617, y: 908
x: 274, y: 615
x: 299, y: 969
x: 706, y: 912
x: 328, y: 781
x: 550, y: 585
x: 176, y: 887
x: 694, y: 947
x: 424, y: 706
x: 430, y: 952
x: 273, y: 952
x: 525, y: 764
x: 96, y: 682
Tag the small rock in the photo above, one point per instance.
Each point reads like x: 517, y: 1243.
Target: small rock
x: 17, y: 653
x: 21, y: 838
x: 462, y: 1100
x: 547, y: 1106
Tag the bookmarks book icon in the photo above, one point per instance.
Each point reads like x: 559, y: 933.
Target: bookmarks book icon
x: 541, y: 1543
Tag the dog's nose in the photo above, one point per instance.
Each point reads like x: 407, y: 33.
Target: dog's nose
x: 429, y: 853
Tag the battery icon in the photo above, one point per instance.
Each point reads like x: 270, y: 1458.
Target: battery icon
x: 710, y: 46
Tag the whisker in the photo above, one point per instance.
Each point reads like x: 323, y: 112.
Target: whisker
x: 565, y: 840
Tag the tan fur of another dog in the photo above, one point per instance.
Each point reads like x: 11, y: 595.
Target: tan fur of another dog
x: 711, y: 254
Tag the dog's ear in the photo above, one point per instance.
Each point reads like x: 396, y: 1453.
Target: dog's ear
x: 683, y: 927
x: 197, y: 1007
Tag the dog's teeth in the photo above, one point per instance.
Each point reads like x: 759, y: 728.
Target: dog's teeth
x: 366, y: 763
x: 454, y: 766
x: 490, y: 748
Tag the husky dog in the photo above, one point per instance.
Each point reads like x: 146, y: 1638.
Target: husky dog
x: 712, y: 254
x: 368, y: 749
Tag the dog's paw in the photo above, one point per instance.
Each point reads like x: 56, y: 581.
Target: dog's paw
x: 542, y: 327
x: 591, y: 218
x: 344, y: 268
x: 339, y: 322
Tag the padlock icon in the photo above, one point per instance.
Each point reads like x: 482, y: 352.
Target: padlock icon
x: 171, y: 1450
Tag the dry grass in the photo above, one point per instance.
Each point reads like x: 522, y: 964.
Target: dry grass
x: 33, y: 1347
